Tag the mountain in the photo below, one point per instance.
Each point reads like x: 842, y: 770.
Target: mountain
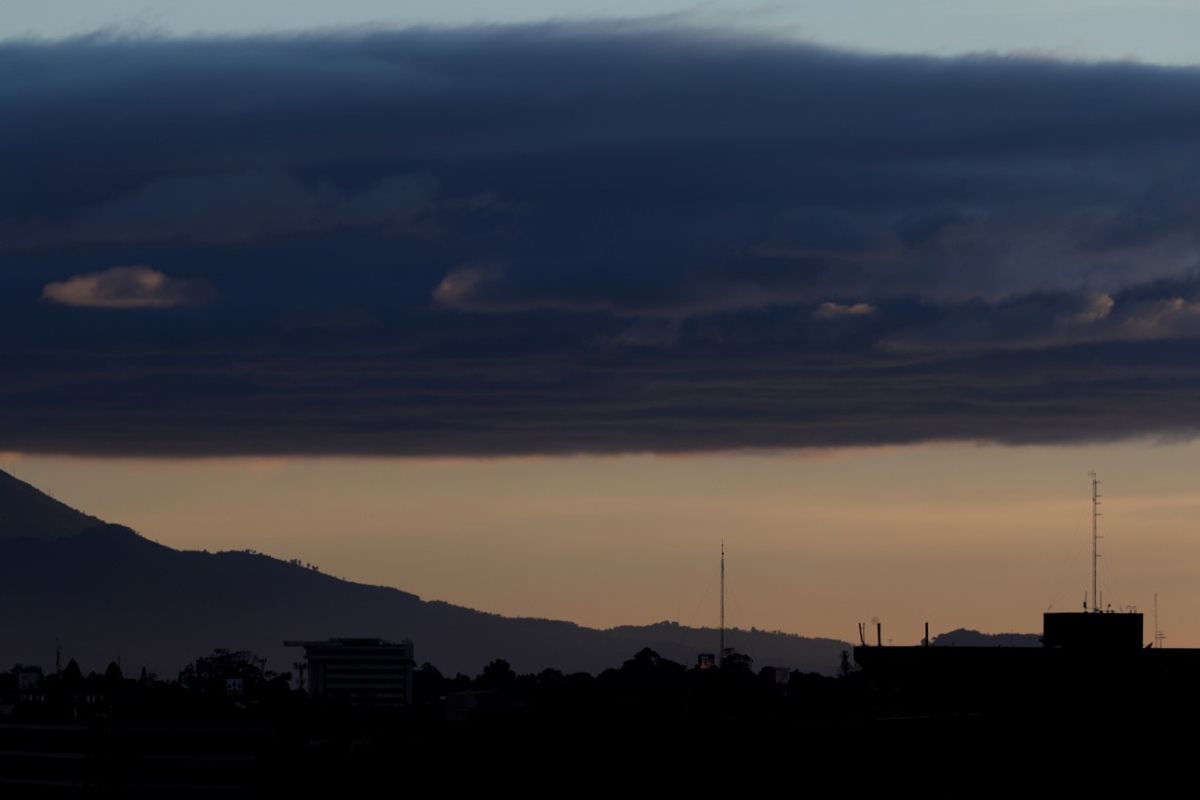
x: 108, y: 593
x: 965, y: 637
x: 768, y: 648
x: 26, y: 512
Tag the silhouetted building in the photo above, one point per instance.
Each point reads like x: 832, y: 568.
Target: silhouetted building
x: 366, y: 672
x: 29, y: 679
x: 1087, y: 661
x: 29, y: 685
x: 1116, y: 631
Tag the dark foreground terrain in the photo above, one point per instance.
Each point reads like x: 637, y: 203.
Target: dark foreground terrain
x: 651, y: 723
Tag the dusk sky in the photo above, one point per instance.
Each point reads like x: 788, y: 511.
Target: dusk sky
x: 528, y: 310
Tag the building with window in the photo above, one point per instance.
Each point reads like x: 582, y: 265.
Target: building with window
x: 365, y: 672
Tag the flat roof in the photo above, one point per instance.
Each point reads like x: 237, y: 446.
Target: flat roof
x: 348, y: 642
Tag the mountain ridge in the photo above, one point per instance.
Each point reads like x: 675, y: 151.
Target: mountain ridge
x: 28, y: 512
x: 969, y: 637
x: 109, y: 593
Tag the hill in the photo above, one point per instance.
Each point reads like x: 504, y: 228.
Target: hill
x: 28, y: 513
x: 965, y: 637
x: 109, y: 593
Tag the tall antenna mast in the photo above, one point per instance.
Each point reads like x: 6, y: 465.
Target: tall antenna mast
x: 721, y: 652
x: 1158, y: 634
x: 1095, y: 542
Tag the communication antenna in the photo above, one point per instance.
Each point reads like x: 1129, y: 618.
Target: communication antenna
x: 721, y: 651
x: 1096, y: 605
x: 1158, y: 634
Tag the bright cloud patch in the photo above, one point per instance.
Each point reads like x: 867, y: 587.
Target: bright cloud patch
x: 128, y: 287
x: 456, y: 288
x: 838, y: 310
x: 1099, y: 306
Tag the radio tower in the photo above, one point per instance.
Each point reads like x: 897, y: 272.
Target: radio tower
x: 1095, y: 542
x: 721, y: 651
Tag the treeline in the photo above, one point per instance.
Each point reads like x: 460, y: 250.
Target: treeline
x: 230, y: 684
x: 223, y: 684
x: 646, y: 686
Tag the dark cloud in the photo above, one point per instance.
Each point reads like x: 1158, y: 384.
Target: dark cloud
x: 588, y: 238
x: 232, y: 207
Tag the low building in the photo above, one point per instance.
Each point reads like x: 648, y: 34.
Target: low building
x: 1087, y: 661
x: 365, y: 672
x: 1094, y: 631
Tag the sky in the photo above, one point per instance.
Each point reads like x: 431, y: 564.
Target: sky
x: 1147, y: 30
x: 530, y: 311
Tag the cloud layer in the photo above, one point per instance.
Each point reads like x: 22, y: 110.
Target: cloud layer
x: 589, y: 238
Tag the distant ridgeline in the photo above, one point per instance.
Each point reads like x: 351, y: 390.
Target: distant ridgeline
x: 965, y: 637
x: 103, y: 592
x: 26, y: 513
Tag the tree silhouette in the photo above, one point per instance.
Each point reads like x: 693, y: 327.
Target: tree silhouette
x: 498, y: 674
x: 644, y: 659
x: 428, y: 684
x: 737, y: 663
x: 209, y: 673
x: 72, y: 675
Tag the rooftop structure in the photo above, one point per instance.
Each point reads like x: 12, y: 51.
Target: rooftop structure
x: 1095, y: 631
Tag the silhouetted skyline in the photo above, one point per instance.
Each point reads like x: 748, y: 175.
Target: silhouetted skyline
x: 530, y: 317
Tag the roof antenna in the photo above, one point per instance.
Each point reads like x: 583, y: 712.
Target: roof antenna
x: 1158, y: 634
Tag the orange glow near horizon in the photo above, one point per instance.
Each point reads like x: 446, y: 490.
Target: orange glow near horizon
x: 983, y: 537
